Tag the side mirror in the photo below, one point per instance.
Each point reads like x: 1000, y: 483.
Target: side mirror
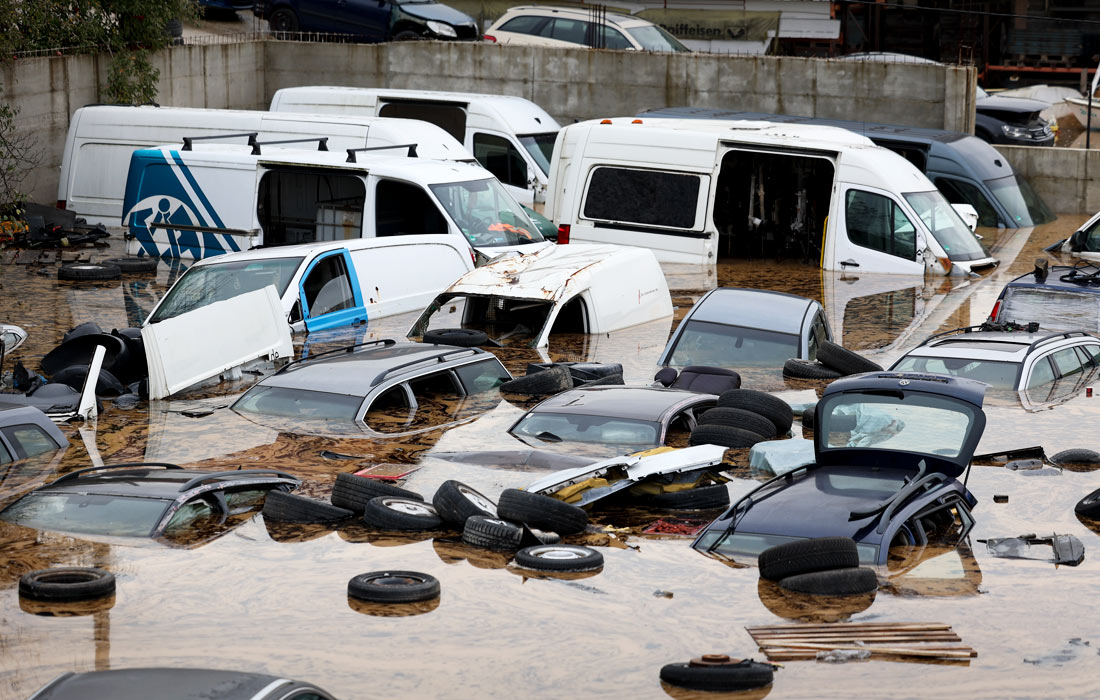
x: 295, y: 313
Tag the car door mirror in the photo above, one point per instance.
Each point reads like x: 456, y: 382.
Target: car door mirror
x: 295, y: 315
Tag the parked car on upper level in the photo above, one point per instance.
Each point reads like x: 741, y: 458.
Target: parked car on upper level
x: 1011, y: 120
x: 542, y: 25
x: 1060, y: 297
x: 370, y: 20
x: 735, y: 328
x: 176, y: 684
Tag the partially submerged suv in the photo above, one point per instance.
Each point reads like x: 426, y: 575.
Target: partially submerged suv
x: 889, y: 449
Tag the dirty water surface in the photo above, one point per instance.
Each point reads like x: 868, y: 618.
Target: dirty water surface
x: 273, y: 598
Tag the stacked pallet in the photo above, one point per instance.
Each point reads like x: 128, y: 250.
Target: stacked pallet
x: 923, y: 640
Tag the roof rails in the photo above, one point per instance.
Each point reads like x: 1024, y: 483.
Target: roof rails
x: 353, y: 151
x: 987, y: 327
x: 188, y: 140
x: 438, y: 358
x: 1054, y: 336
x: 105, y: 467
x: 385, y: 342
x: 236, y: 472
x: 322, y: 143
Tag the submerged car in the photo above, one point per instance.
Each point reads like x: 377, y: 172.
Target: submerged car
x: 735, y: 328
x: 889, y: 449
x: 25, y: 431
x: 177, y: 684
x: 636, y: 417
x: 147, y: 500
x: 1011, y: 120
x: 1061, y: 297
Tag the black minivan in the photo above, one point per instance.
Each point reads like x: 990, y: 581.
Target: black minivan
x: 369, y: 20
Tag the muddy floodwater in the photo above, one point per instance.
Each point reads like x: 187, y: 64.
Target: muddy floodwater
x: 274, y: 598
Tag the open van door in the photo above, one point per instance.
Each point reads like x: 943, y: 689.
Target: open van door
x: 870, y: 231
x: 329, y: 293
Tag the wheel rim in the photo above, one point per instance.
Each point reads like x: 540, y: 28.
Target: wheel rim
x: 392, y: 580
x: 558, y: 553
x: 477, y: 499
x: 407, y: 506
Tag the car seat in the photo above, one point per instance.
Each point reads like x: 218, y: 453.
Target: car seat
x: 707, y: 380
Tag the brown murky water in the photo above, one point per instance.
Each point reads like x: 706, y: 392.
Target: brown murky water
x: 271, y: 598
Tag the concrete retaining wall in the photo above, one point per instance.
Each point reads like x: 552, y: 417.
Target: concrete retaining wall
x: 568, y: 83
x: 1068, y: 179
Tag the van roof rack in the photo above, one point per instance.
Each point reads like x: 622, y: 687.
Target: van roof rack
x: 188, y: 140
x: 322, y: 143
x: 353, y: 151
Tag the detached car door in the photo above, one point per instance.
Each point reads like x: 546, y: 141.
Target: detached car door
x: 329, y: 293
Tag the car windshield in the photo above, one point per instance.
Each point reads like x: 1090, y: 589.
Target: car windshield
x: 957, y: 240
x: 86, y: 513
x: 572, y: 427
x: 719, y: 345
x: 909, y: 422
x: 486, y: 214
x: 203, y: 285
x: 998, y: 375
x: 541, y: 148
x: 654, y: 38
x: 1024, y: 206
x: 298, y: 403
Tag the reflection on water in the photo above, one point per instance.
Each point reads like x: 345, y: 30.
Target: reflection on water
x: 273, y: 597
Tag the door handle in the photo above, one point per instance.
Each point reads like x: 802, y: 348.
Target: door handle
x: 849, y: 263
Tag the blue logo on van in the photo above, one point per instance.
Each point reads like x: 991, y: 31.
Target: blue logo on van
x: 169, y: 206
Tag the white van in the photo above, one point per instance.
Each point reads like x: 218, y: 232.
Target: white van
x: 326, y: 285
x: 510, y: 136
x: 208, y: 198
x: 695, y: 190
x: 102, y: 137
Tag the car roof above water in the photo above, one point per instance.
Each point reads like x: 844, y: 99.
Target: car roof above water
x: 753, y: 308
x: 629, y: 402
x: 164, y: 684
x: 146, y: 482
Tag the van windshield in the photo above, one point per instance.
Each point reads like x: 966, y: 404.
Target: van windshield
x: 944, y: 223
x: 486, y: 214
x: 541, y: 148
x: 1023, y: 204
x: 203, y: 285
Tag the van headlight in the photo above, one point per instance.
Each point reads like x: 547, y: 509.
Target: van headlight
x: 442, y: 29
x: 1016, y: 132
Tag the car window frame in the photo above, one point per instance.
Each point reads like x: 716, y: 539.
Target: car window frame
x: 20, y: 451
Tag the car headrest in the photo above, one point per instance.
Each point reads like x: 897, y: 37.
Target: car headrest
x: 707, y: 380
x: 665, y: 376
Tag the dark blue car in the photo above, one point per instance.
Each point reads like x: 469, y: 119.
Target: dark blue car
x: 370, y: 20
x: 889, y: 450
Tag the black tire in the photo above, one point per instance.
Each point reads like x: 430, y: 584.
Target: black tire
x: 67, y: 583
x: 456, y: 503
x: 286, y: 507
x: 808, y: 417
x: 283, y: 20
x: 582, y: 372
x: 88, y: 271
x: 835, y: 582
x: 393, y: 513
x: 548, y: 381
x: 1077, y: 456
x: 81, y: 350
x: 542, y: 512
x: 724, y: 435
x: 844, y: 360
x: 492, y: 533
x: 807, y: 369
x: 75, y: 375
x: 86, y: 328
x: 700, y: 498
x: 771, y: 407
x: 461, y: 337
x: 394, y: 587
x: 408, y: 35
x: 741, y: 676
x: 130, y: 265
x: 354, y: 492
x: 1089, y: 506
x: 808, y: 556
x: 559, y: 557
x: 739, y: 418
x: 609, y: 380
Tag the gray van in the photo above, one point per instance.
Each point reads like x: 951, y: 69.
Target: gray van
x: 964, y: 168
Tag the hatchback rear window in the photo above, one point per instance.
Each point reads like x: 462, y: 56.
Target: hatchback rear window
x: 647, y: 197
x: 298, y: 403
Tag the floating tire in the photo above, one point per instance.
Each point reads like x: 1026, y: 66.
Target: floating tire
x: 292, y: 508
x: 1089, y: 506
x: 88, y: 271
x: 724, y: 435
x: 699, y: 498
x: 807, y: 556
x: 354, y: 492
x: 67, y: 583
x: 492, y: 533
x: 838, y: 582
x: 134, y: 265
x: 739, y: 418
x: 771, y: 407
x: 393, y: 513
x: 607, y: 380
x: 718, y: 673
x: 559, y: 557
x: 807, y: 369
x: 394, y: 587
x: 1076, y: 456
x: 542, y: 512
x: 808, y: 417
x: 456, y: 503
x: 547, y: 381
x: 844, y: 360
x: 461, y: 337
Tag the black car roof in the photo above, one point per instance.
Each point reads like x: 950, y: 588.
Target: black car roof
x: 146, y: 482
x: 161, y: 683
x: 960, y: 388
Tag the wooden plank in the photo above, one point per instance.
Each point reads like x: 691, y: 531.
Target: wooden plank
x: 26, y: 257
x: 869, y: 640
x: 956, y: 653
x: 849, y: 633
x: 852, y: 626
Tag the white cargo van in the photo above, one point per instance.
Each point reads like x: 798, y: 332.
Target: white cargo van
x: 102, y: 137
x: 207, y: 198
x: 696, y: 190
x: 510, y: 136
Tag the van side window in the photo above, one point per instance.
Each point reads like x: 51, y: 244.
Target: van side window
x: 647, y: 197
x: 327, y: 288
x: 960, y: 192
x: 878, y: 223
x: 501, y: 158
x: 449, y: 117
x: 401, y: 208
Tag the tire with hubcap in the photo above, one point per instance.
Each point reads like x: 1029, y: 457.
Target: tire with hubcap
x: 394, y: 587
x: 559, y: 557
x: 393, y: 513
x: 456, y: 502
